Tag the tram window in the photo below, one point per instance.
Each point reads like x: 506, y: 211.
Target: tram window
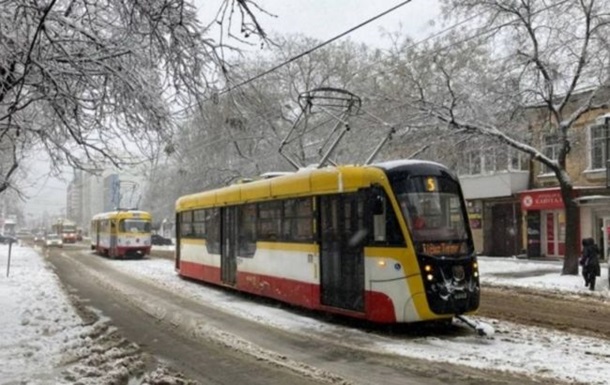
x: 199, y: 224
x: 386, y: 230
x: 134, y: 226
x: 379, y: 219
x: 269, y: 221
x: 212, y: 222
x: 186, y: 224
x: 298, y: 220
x: 247, y: 230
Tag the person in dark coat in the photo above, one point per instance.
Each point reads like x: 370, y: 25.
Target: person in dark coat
x: 590, y: 262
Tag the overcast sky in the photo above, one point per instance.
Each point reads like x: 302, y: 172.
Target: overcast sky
x: 322, y: 19
x: 325, y: 19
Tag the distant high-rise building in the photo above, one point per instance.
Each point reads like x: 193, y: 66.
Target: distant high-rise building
x: 107, y: 190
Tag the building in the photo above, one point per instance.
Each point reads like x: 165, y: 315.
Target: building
x: 515, y: 205
x: 492, y: 177
x: 105, y: 190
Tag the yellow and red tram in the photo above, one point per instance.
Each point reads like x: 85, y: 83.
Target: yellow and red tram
x: 121, y: 233
x: 388, y: 242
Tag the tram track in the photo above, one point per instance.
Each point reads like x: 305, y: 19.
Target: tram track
x: 307, y: 358
x: 588, y: 316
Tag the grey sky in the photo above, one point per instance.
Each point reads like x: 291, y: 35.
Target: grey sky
x: 322, y: 19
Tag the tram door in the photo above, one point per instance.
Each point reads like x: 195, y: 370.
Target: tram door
x: 228, y: 263
x: 113, y: 237
x: 97, y: 225
x: 342, y: 239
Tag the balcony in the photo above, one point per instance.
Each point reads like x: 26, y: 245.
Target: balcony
x: 495, y: 185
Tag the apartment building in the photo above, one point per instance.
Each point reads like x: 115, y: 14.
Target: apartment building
x: 90, y: 194
x: 515, y: 204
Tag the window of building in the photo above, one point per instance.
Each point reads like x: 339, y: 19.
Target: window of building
x: 598, y: 147
x: 550, y: 149
x: 489, y: 163
x: 472, y: 162
x: 519, y: 161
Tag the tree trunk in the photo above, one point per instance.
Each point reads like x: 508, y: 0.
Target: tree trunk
x: 572, y: 242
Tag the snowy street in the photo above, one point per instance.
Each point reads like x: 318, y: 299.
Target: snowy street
x: 45, y: 340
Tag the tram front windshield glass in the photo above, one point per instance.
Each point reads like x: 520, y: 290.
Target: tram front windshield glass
x: 433, y: 208
x: 134, y: 226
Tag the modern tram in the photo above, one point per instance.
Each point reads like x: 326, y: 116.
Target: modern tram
x: 387, y: 242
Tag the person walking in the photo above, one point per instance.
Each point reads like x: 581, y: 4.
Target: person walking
x: 590, y: 262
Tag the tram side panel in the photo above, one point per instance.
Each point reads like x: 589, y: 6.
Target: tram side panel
x: 283, y: 271
x: 197, y: 262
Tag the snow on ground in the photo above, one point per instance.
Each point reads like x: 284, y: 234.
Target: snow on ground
x: 43, y: 339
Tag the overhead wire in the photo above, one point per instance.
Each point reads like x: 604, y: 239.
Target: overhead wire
x: 432, y: 36
x: 302, y: 54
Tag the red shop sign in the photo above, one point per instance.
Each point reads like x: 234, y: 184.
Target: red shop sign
x: 541, y: 200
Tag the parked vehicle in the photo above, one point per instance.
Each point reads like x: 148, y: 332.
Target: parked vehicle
x: 7, y: 239
x: 160, y: 240
x: 53, y: 240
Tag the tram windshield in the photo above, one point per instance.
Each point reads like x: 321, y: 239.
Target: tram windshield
x: 134, y: 226
x: 434, y: 211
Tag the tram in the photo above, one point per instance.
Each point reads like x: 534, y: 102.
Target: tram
x: 387, y: 242
x: 121, y: 233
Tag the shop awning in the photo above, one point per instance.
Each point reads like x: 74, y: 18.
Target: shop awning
x: 592, y: 200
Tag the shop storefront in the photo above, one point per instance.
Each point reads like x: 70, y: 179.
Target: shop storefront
x: 545, y: 222
x: 595, y: 218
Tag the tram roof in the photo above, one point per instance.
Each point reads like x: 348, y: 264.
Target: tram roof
x: 305, y: 182
x: 123, y: 214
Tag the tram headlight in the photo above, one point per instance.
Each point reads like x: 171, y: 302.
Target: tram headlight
x: 428, y: 268
x: 476, y: 274
x: 475, y: 265
x: 381, y: 263
x: 430, y: 277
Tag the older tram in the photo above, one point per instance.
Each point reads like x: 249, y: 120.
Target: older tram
x: 387, y: 242
x: 121, y: 233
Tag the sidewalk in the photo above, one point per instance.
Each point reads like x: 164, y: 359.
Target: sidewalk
x: 539, y: 259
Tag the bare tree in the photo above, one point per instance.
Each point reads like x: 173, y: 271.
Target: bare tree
x: 85, y: 80
x: 238, y: 134
x: 525, y: 63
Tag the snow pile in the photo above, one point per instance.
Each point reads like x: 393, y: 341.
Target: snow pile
x: 44, y: 339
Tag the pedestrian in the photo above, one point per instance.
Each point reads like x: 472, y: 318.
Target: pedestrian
x: 590, y: 262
